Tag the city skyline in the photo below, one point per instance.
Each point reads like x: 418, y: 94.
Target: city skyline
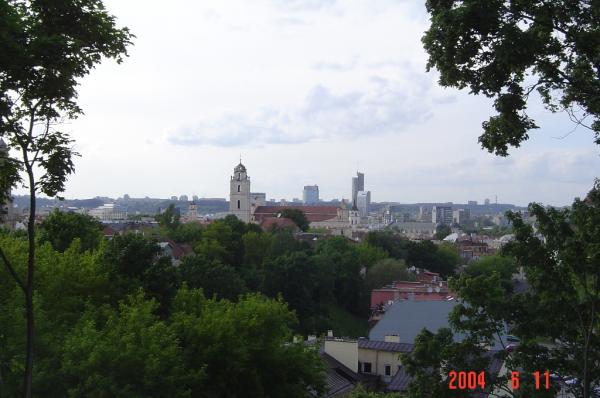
x: 303, y: 90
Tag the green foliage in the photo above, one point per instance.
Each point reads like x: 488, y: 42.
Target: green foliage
x: 433, y: 356
x: 395, y: 245
x: 360, y: 392
x: 169, y: 219
x: 214, y: 277
x: 344, y: 323
x: 60, y: 228
x: 385, y: 272
x: 244, y: 347
x: 504, y: 265
x: 296, y: 278
x: 130, y: 254
x: 561, y: 307
x: 507, y: 49
x: 338, y: 258
x: 441, y: 231
x: 369, y: 255
x: 129, y: 353
x: 297, y: 216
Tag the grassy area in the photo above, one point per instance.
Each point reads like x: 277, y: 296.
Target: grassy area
x: 345, y: 324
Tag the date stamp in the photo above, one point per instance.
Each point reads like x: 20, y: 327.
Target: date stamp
x: 472, y: 380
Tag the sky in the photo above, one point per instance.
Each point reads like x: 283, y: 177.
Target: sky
x: 306, y: 92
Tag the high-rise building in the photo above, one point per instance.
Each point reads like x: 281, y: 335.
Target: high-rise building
x: 358, y: 184
x: 239, y: 193
x: 183, y: 198
x: 363, y: 202
x: 195, y: 198
x: 486, y: 202
x: 174, y: 198
x: 472, y: 203
x: 461, y: 216
x: 310, y: 195
x: 441, y: 215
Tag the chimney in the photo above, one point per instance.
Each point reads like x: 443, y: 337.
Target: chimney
x: 330, y: 333
x: 392, y: 338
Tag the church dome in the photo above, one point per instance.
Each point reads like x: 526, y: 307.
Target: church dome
x: 240, y: 168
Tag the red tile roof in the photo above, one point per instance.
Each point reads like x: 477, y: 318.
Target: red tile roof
x: 313, y: 213
x: 270, y: 222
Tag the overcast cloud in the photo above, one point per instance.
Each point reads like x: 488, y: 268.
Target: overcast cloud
x: 306, y: 92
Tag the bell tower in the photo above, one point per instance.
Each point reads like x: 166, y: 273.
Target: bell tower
x: 239, y: 193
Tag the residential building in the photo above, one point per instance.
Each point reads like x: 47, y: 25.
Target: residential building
x: 310, y: 194
x: 239, y: 193
x: 441, y: 215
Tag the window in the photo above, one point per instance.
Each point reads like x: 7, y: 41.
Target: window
x: 388, y: 370
x: 367, y: 367
x: 238, y: 204
x: 238, y: 188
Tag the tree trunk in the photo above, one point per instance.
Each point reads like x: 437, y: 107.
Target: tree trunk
x: 29, y: 288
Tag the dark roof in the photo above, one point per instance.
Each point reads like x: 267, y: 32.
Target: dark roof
x: 400, y: 381
x: 406, y: 318
x: 338, y: 377
x: 384, y: 346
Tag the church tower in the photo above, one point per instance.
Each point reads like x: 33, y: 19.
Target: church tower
x: 239, y: 193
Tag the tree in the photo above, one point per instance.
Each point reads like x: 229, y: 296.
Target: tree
x: 297, y: 216
x: 338, y: 260
x: 215, y: 278
x: 60, y: 228
x: 441, y: 231
x: 395, y: 245
x: 507, y: 49
x: 385, y: 272
x: 562, y: 268
x: 244, y: 347
x: 556, y: 320
x: 130, y: 353
x: 47, y: 48
x: 436, y: 258
x: 169, y: 219
x: 506, y: 266
x: 296, y: 277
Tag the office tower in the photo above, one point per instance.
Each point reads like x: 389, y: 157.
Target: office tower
x: 310, y: 195
x: 358, y: 184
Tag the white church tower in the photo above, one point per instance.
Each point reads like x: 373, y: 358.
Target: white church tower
x: 239, y: 193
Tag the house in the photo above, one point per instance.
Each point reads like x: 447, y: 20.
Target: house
x: 174, y: 250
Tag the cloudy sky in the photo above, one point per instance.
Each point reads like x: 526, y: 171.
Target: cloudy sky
x: 307, y: 92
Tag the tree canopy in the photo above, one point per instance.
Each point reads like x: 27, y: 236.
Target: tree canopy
x: 507, y: 49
